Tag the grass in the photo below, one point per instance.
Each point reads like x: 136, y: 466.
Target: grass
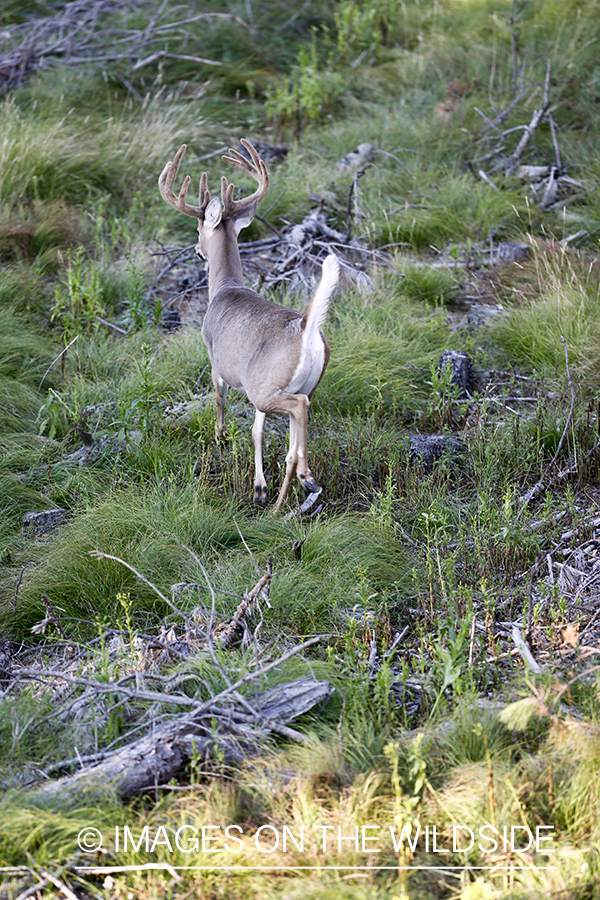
x: 566, y: 302
x: 442, y: 556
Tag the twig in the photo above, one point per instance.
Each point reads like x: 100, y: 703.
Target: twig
x: 526, y: 654
x: 228, y: 633
x: 20, y: 579
x: 33, y: 889
x: 112, y: 325
x: 264, y: 590
x: 294, y: 16
x: 63, y: 888
x: 52, y: 614
x: 162, y: 54
x: 554, y: 139
x: 97, y: 554
x: 397, y: 638
x: 487, y: 179
x: 54, y: 361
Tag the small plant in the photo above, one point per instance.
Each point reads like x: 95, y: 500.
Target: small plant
x: 135, y: 316
x: 79, y: 301
x: 305, y: 96
x: 55, y: 414
x: 366, y: 25
x: 450, y: 664
x: 444, y: 397
x: 143, y: 409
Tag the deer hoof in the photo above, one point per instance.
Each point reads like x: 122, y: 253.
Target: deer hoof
x: 308, y: 483
x: 260, y: 494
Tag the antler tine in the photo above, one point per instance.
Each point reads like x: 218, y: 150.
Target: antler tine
x: 254, y: 167
x: 166, y: 182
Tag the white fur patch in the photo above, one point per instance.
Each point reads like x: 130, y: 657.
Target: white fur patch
x: 312, y: 352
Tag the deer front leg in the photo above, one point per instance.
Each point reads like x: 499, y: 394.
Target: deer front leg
x: 260, y: 485
x: 221, y: 388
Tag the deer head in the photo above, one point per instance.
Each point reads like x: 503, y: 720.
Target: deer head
x: 210, y: 212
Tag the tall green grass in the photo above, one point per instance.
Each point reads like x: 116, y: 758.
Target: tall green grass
x: 564, y: 305
x: 149, y: 527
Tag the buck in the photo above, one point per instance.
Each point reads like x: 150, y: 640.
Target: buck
x: 276, y: 355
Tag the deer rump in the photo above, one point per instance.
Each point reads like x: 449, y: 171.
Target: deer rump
x: 262, y: 368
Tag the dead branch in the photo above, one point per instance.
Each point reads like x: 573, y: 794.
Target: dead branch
x: 513, y: 161
x: 162, y: 54
x: 163, y: 753
x: 505, y: 113
x: 229, y: 633
x: 53, y: 617
x: 81, y: 32
x: 97, y: 554
x: 524, y: 651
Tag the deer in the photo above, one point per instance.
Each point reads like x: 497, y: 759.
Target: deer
x: 275, y: 355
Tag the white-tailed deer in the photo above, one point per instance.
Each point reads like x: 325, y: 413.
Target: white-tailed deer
x: 275, y: 354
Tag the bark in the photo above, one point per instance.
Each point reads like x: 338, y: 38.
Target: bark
x: 164, y: 752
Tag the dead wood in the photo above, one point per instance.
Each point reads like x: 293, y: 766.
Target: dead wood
x: 230, y: 631
x: 457, y: 367
x: 551, y: 187
x: 165, y: 751
x: 513, y: 161
x: 52, y: 616
x: 81, y: 32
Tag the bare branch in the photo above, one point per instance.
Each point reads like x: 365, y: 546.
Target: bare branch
x: 97, y: 554
x: 54, y: 361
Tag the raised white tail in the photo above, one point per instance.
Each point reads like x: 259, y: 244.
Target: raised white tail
x: 316, y: 311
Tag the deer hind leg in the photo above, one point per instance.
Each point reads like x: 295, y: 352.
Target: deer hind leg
x: 297, y: 407
x: 221, y: 388
x: 291, y: 464
x: 260, y: 485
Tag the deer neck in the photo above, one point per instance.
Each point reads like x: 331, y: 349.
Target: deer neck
x: 224, y: 263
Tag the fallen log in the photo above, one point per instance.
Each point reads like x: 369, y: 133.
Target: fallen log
x: 163, y: 753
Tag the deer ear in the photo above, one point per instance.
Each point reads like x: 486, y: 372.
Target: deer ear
x: 213, y: 214
x: 244, y: 218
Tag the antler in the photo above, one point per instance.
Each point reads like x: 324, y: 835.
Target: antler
x: 179, y: 202
x: 254, y: 167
